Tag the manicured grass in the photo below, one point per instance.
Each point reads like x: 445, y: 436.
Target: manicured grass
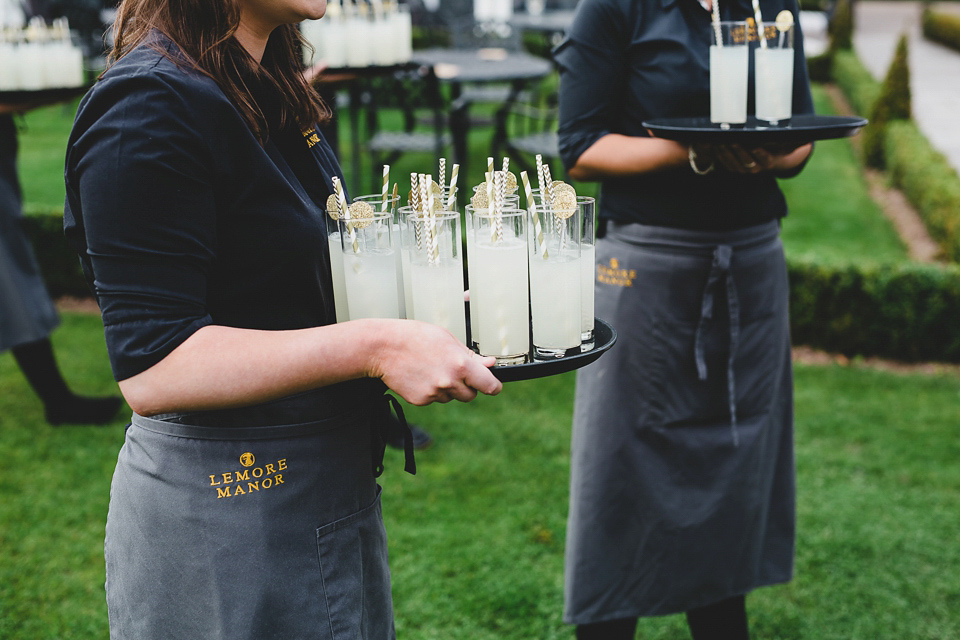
x: 832, y: 217
x: 476, y: 538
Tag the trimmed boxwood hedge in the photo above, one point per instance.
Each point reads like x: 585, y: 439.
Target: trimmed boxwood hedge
x: 941, y: 27
x: 905, y: 311
x: 58, y: 262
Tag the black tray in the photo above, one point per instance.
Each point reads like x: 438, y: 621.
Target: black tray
x: 604, y: 336
x: 800, y: 130
x: 42, y: 96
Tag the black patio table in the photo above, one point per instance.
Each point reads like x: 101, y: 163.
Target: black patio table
x: 457, y: 67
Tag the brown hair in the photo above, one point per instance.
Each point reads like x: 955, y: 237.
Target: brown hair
x: 203, y: 29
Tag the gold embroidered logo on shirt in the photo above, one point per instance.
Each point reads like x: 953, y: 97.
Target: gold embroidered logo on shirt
x: 311, y: 137
x: 613, y: 275
x: 250, y: 479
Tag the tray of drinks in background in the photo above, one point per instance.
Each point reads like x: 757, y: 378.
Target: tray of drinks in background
x: 604, y: 337
x: 796, y: 131
x: 28, y: 98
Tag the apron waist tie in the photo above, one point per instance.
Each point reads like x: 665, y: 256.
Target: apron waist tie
x: 410, y: 462
x: 721, y: 269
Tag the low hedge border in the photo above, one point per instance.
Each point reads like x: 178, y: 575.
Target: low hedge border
x: 905, y: 312
x: 923, y: 174
x: 943, y: 28
x: 58, y: 262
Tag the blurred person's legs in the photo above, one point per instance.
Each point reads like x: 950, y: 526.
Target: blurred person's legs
x: 724, y: 620
x: 27, y: 314
x: 61, y: 405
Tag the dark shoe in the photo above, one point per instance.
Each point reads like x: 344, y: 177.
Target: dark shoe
x: 421, y: 439
x: 84, y: 410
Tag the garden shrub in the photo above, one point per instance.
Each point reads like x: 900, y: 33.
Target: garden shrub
x: 902, y: 311
x: 928, y: 182
x: 59, y: 264
x: 841, y: 26
x: 893, y: 103
x: 855, y: 81
x: 943, y: 28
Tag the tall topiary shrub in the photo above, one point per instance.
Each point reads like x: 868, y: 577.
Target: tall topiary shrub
x: 893, y: 103
x: 841, y: 26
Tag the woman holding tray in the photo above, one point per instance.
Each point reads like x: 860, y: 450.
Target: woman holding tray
x: 682, y: 479
x: 244, y: 502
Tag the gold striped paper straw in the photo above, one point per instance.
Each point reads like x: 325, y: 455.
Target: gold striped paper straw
x: 454, y: 174
x: 344, y: 212
x: 384, y: 190
x: 433, y: 226
x: 532, y: 207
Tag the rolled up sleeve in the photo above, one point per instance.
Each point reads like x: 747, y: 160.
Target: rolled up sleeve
x: 592, y: 67
x: 139, y: 190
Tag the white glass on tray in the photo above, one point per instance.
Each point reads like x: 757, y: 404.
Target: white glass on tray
x: 773, y: 75
x: 433, y: 244
x: 588, y: 269
x: 499, y: 286
x: 729, y: 67
x: 555, y: 281
x: 336, y: 269
x: 370, y: 265
x: 378, y: 203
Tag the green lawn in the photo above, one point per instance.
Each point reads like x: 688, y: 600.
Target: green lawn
x: 476, y: 538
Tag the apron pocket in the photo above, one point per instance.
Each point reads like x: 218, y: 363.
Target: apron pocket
x: 352, y: 553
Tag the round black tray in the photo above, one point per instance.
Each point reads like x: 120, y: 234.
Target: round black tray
x: 604, y: 336
x: 42, y: 96
x: 799, y: 130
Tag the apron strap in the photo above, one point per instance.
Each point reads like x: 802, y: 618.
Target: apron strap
x: 720, y: 269
x: 410, y: 462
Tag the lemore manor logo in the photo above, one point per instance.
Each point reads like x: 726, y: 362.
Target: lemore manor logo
x: 250, y: 479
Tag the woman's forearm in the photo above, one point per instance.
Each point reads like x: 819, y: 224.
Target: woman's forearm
x: 616, y: 155
x: 220, y: 367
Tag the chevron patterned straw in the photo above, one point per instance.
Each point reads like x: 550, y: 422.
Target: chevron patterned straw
x: 415, y: 206
x: 759, y: 20
x: 442, y: 175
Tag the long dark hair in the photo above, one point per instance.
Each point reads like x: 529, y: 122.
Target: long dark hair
x: 203, y: 29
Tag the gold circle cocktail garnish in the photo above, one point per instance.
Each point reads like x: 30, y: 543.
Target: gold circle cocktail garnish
x: 784, y: 20
x: 511, y: 184
x: 564, y: 204
x: 479, y: 199
x: 559, y: 186
x: 361, y: 214
x: 332, y: 210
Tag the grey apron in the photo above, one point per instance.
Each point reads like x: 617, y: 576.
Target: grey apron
x: 264, y: 522
x: 682, y: 478
x: 26, y: 312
